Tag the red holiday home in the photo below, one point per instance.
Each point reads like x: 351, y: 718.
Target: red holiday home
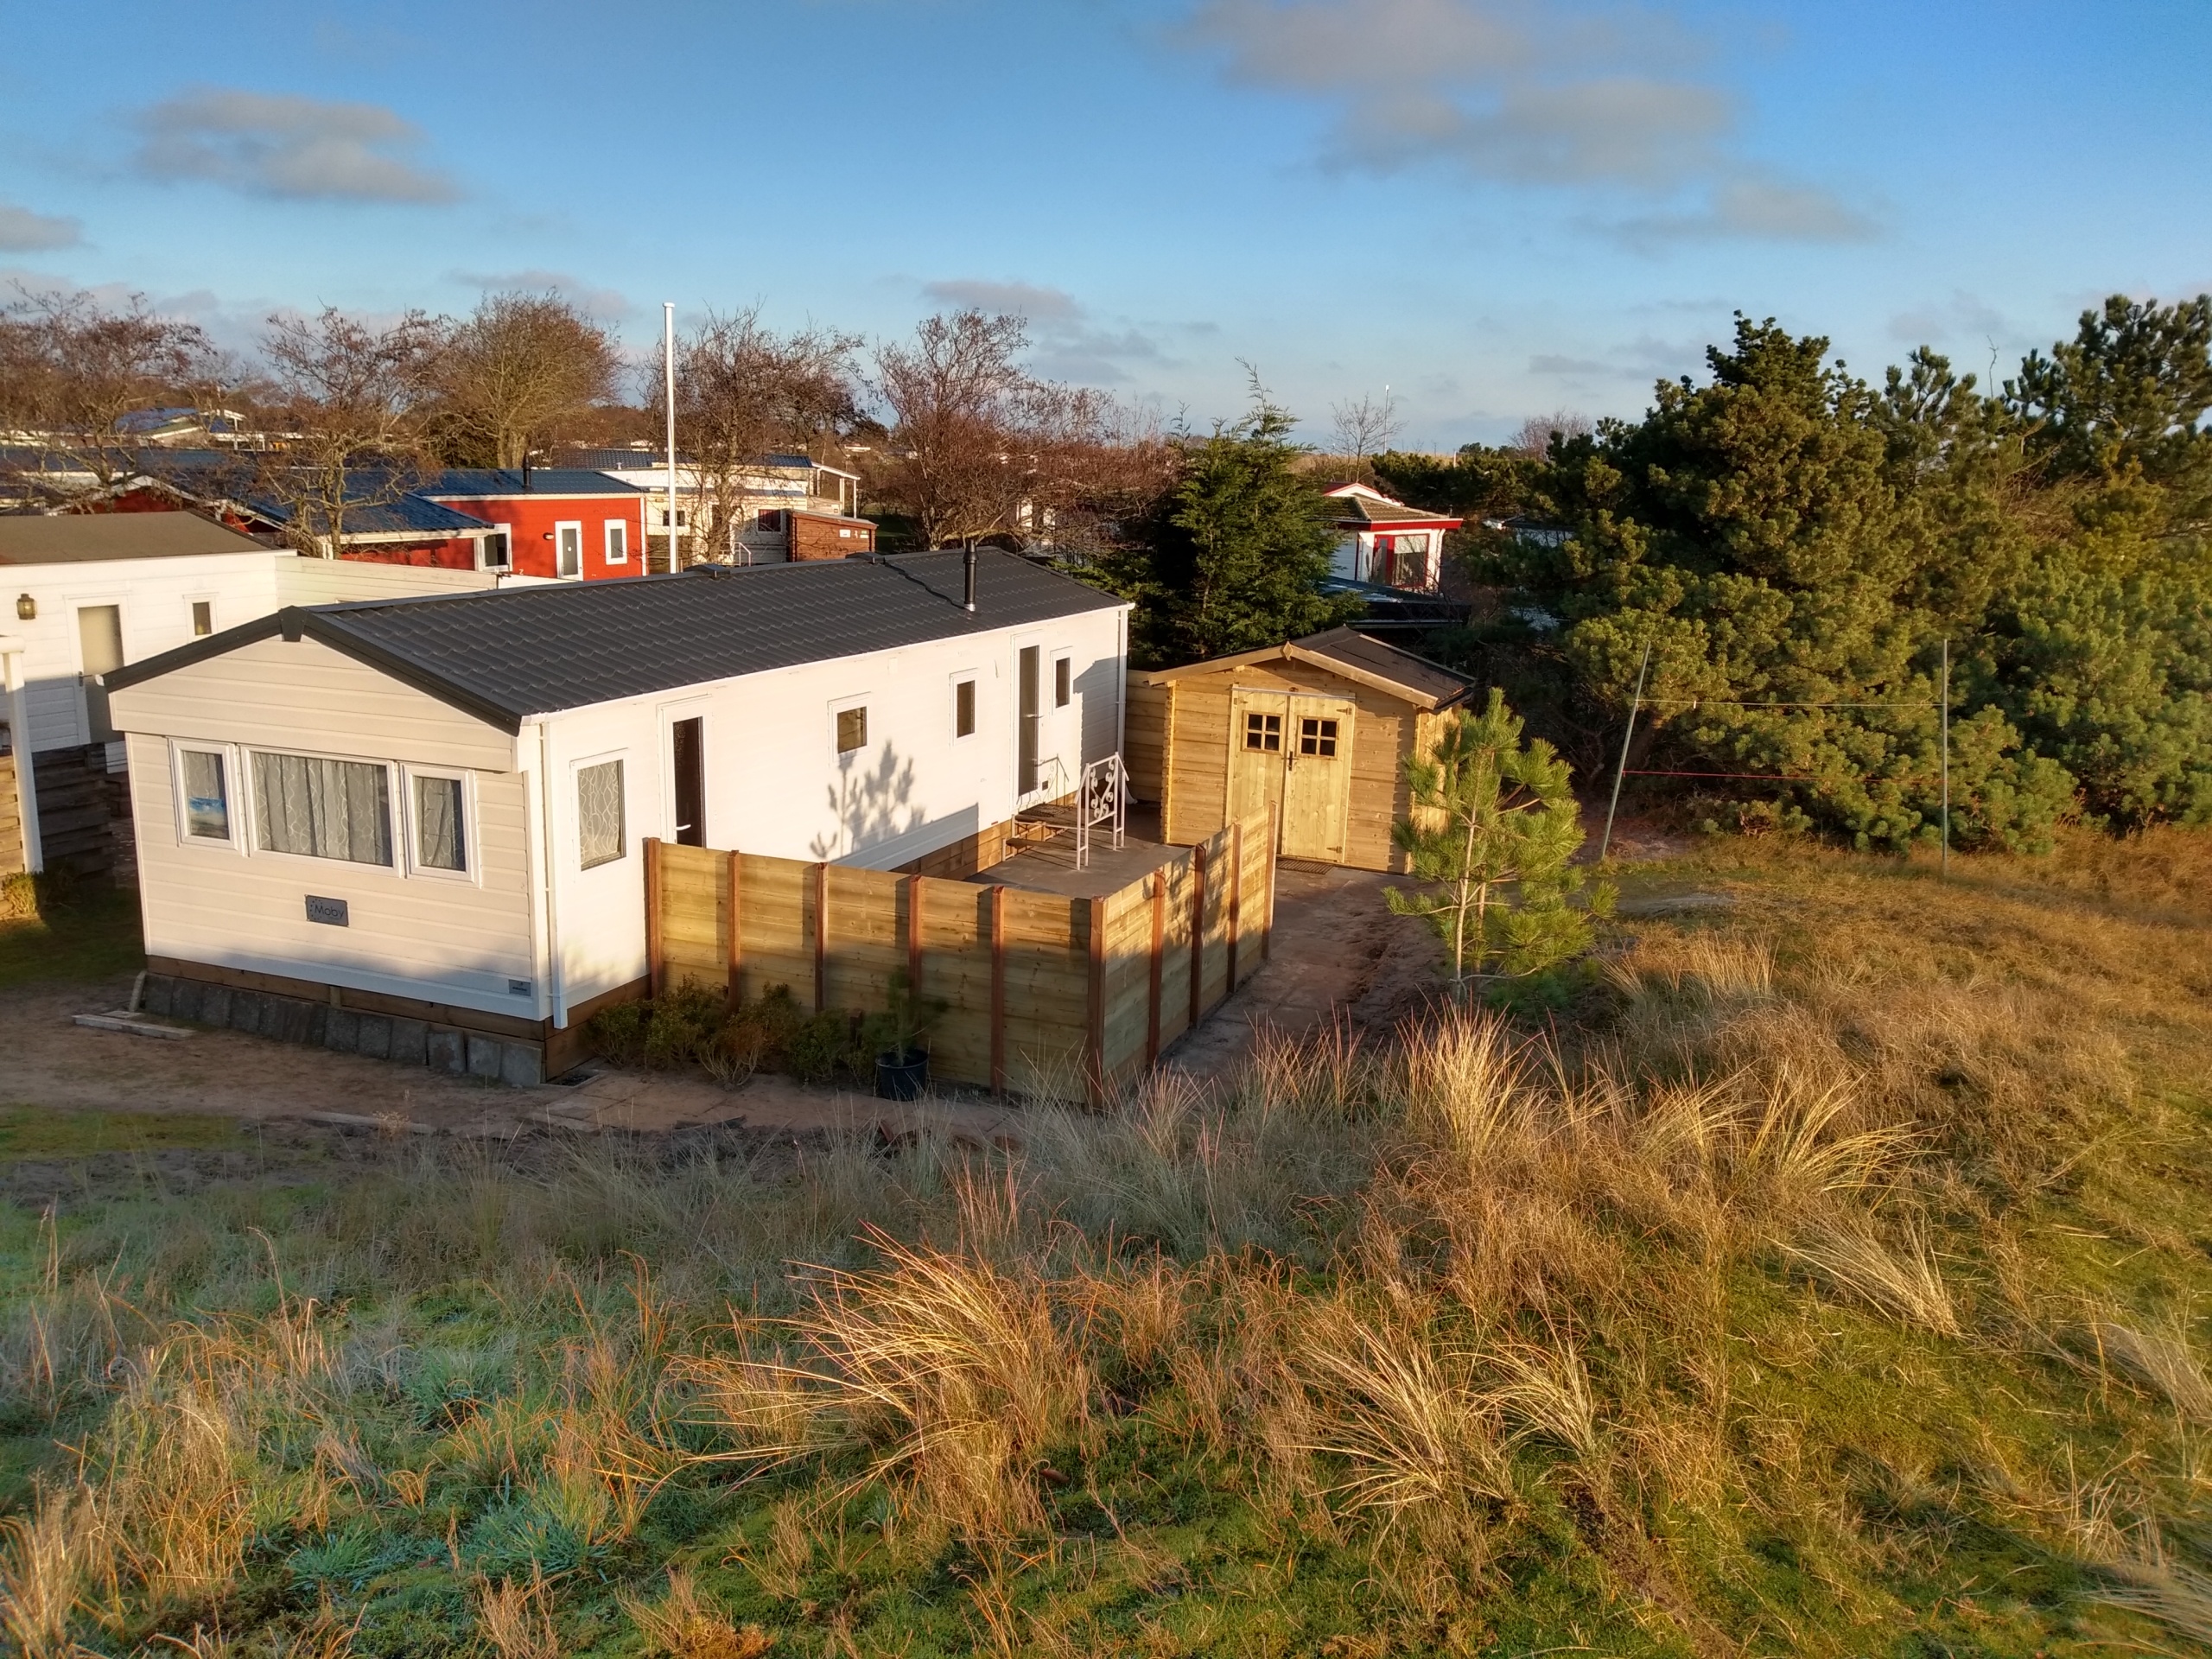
x: 550, y: 521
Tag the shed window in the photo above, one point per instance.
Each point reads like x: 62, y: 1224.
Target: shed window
x: 206, y: 796
x: 600, y: 838
x: 852, y: 730
x: 1317, y: 737
x: 438, y: 839
x: 1063, y: 682
x: 1264, y: 732
x: 322, y: 809
x: 964, y: 709
x: 203, y: 618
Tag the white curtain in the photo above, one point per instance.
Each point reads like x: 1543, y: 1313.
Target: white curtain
x: 437, y: 823
x: 325, y: 809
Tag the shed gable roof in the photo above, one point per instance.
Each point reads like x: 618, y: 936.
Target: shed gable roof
x: 508, y: 655
x: 1354, y: 656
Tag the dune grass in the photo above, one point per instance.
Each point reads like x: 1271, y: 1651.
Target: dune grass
x: 1833, y: 1278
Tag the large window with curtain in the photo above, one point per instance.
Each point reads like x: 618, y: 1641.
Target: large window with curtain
x: 322, y: 808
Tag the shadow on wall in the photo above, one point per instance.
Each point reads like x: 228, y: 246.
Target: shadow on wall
x: 871, y: 803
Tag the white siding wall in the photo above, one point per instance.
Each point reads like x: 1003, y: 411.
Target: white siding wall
x: 155, y: 597
x: 775, y: 784
x: 344, y: 581
x: 431, y: 936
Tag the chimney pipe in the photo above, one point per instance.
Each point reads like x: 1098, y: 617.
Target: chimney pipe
x: 971, y: 580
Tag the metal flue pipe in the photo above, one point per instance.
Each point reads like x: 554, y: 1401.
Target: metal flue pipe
x: 970, y: 572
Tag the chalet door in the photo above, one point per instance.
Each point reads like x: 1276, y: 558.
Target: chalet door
x: 1291, y: 751
x: 1027, y: 779
x: 99, y: 645
x: 687, y: 752
x: 1317, y: 778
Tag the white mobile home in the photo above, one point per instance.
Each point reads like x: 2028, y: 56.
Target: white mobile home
x: 435, y: 809
x: 82, y: 595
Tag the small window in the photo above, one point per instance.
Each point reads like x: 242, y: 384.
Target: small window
x: 1317, y: 737
x: 1264, y: 733
x: 320, y: 807
x: 438, y: 838
x: 207, y: 797
x: 497, y: 556
x: 600, y: 838
x: 964, y: 709
x: 852, y: 730
x: 203, y: 618
x: 617, y: 542
x: 1063, y: 682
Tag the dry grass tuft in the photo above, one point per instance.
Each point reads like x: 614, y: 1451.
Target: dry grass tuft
x: 1901, y: 1280
x: 48, y: 1560
x: 682, y: 1624
x: 516, y: 1620
x: 2163, y: 1361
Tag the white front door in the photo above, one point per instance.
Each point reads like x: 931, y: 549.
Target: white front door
x: 568, y: 548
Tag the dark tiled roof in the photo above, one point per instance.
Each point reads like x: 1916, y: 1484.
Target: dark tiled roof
x: 1365, y: 510
x: 87, y: 537
x: 507, y: 655
x: 540, y: 480
x: 1356, y: 650
x: 406, y: 515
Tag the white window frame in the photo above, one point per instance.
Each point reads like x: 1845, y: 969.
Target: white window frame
x: 472, y: 871
x: 863, y: 702
x: 395, y: 805
x: 952, y: 684
x: 214, y: 619
x: 506, y: 536
x: 577, y: 868
x: 614, y: 537
x: 576, y: 524
x: 1057, y: 658
x: 238, y: 842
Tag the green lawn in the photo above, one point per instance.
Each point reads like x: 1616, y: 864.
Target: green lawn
x: 94, y: 936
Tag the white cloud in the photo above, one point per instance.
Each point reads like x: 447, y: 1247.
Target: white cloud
x: 605, y: 304
x: 1574, y: 92
x: 272, y: 144
x: 23, y: 231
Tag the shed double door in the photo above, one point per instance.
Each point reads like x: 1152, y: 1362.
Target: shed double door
x: 1291, y: 751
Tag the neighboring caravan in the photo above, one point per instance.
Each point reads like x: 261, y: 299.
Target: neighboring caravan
x: 1318, y: 729
x: 435, y: 809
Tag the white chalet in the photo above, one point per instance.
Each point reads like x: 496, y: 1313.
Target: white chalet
x: 435, y: 809
x: 1386, y: 543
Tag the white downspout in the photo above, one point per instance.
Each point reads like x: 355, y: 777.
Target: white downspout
x: 19, y: 736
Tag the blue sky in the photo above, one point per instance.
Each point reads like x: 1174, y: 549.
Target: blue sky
x: 1494, y: 208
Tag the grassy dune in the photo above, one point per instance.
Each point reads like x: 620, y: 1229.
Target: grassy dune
x: 1834, y: 1280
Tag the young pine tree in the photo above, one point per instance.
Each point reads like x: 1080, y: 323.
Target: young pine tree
x: 1493, y: 826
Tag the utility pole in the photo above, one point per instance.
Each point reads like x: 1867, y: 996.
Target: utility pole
x: 668, y: 365
x: 1945, y: 863
x: 1620, y: 772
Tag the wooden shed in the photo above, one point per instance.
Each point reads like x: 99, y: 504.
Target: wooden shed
x: 1318, y: 729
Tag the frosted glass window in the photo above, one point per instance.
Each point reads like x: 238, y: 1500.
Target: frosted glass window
x: 207, y: 797
x: 599, y: 813
x: 322, y: 809
x: 438, y: 841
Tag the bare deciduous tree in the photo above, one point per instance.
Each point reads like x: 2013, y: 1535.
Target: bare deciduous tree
x: 960, y: 404
x: 743, y: 391
x: 74, y: 371
x: 350, y: 396
x: 1534, y: 438
x: 517, y: 369
x: 1366, y: 427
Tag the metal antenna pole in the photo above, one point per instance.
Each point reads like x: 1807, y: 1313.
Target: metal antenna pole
x: 1620, y: 772
x: 668, y: 361
x: 1946, y: 859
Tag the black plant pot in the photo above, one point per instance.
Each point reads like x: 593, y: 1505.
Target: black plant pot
x: 902, y: 1075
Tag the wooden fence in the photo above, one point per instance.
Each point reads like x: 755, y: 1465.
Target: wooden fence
x: 1039, y: 993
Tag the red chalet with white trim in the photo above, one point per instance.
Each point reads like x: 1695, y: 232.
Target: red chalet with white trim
x: 560, y: 522
x: 1386, y: 543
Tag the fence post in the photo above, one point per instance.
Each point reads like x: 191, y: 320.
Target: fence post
x: 914, y: 937
x: 1098, y: 1000
x: 1159, y: 939
x: 998, y: 990
x: 1198, y: 932
x: 736, y: 939
x: 1235, y: 897
x: 821, y: 936
x: 656, y: 964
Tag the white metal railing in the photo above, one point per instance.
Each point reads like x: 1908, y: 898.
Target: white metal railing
x: 1103, y: 798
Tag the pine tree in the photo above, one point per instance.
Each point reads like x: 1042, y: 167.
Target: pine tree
x: 1493, y: 827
